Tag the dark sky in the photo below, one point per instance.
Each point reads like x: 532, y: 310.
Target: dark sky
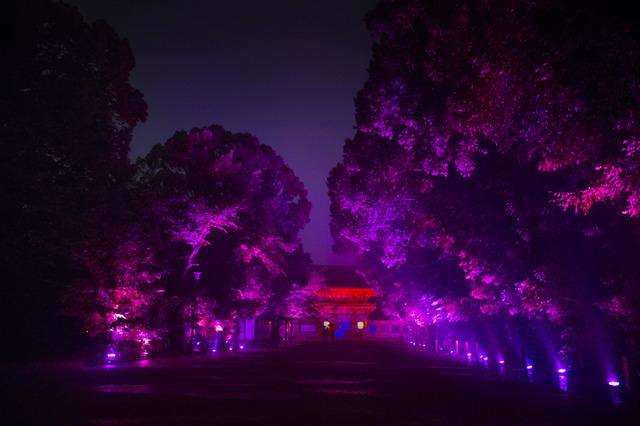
x: 284, y: 70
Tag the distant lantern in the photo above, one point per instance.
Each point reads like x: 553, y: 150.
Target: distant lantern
x: 360, y: 325
x: 326, y: 323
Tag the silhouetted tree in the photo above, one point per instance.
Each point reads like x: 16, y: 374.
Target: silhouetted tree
x: 67, y: 111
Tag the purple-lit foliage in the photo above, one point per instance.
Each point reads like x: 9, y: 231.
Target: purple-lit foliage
x: 300, y: 303
x: 122, y: 299
x: 480, y: 123
x: 195, y: 221
x: 202, y: 311
x: 210, y: 231
x: 527, y: 77
x: 237, y: 208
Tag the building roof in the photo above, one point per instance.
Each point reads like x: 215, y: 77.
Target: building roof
x: 342, y: 277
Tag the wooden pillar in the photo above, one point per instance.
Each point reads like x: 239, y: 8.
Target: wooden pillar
x: 625, y: 373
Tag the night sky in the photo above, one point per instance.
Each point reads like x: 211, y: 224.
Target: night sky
x: 285, y: 71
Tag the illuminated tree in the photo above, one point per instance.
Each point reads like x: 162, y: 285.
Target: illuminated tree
x: 235, y: 209
x: 300, y: 302
x: 554, y: 83
x: 123, y: 297
x: 210, y: 233
x: 480, y: 123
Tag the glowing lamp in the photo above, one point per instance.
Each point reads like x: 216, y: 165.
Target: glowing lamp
x: 469, y: 355
x: 219, y: 327
x: 111, y: 355
x: 614, y: 383
x: 501, y: 361
x: 326, y: 323
x: 529, y: 367
x: 360, y: 325
x: 562, y: 370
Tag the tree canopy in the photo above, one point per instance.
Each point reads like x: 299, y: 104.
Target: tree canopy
x: 67, y: 111
x: 121, y: 244
x: 212, y: 236
x: 499, y: 135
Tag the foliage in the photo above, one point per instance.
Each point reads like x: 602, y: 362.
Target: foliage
x: 213, y: 180
x: 224, y: 204
x: 67, y: 111
x: 202, y: 311
x: 479, y: 126
x: 122, y: 297
x: 301, y: 299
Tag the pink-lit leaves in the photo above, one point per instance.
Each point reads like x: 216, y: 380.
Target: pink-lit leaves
x: 211, y: 200
x: 122, y: 297
x: 300, y: 301
x: 248, y: 209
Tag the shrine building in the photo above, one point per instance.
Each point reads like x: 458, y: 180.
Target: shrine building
x: 348, y: 305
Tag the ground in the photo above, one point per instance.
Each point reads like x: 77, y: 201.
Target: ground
x: 343, y: 382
